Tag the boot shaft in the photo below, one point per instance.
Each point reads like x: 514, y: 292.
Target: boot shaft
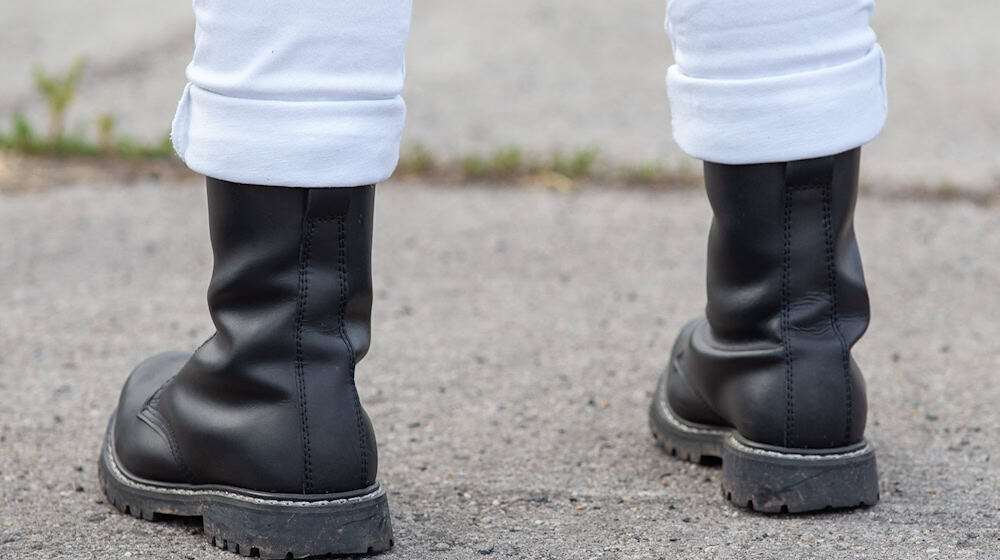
x: 786, y: 225
x: 313, y: 246
x: 786, y: 303
x: 269, y: 402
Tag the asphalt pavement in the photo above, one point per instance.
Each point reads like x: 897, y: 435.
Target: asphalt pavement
x: 518, y: 331
x: 517, y: 336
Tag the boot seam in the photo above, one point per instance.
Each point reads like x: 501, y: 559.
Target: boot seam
x: 834, y: 314
x: 305, y: 254
x: 352, y: 356
x: 786, y: 265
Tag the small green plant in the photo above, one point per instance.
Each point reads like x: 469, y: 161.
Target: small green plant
x: 577, y: 164
x: 106, y: 132
x: 642, y: 174
x: 557, y: 170
x: 506, y: 161
x: 165, y: 148
x: 74, y: 144
x: 686, y: 173
x: 417, y: 159
x: 129, y: 148
x: 24, y: 135
x: 474, y: 167
x: 535, y: 165
x: 59, y: 92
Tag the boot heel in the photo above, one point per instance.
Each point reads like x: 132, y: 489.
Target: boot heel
x: 271, y: 529
x: 778, y: 480
x: 257, y: 523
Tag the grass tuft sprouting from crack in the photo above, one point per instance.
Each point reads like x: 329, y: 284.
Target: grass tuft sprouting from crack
x: 59, y: 91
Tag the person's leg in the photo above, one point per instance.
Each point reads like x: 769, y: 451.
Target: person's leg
x: 295, y: 93
x: 761, y: 81
x: 776, y: 97
x: 261, y: 431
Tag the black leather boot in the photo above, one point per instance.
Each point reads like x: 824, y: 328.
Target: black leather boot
x: 261, y: 431
x: 765, y: 381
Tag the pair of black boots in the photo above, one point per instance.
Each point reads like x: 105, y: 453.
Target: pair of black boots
x: 261, y: 432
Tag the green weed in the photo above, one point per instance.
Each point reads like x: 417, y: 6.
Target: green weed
x: 474, y: 167
x: 416, y: 159
x: 59, y: 91
x: 506, y: 161
x: 642, y: 174
x: 577, y: 164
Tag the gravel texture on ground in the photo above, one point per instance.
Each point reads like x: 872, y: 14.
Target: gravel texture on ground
x: 543, y: 76
x: 517, y: 337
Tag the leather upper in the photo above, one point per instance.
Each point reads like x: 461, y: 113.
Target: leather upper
x: 786, y: 303
x: 267, y: 403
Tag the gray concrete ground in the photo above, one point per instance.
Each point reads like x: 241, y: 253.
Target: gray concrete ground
x: 543, y: 76
x: 518, y: 333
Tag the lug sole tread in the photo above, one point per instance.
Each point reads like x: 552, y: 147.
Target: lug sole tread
x: 278, y: 529
x: 768, y: 481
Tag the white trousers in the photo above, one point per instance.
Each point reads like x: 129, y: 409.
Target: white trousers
x: 302, y: 93
x: 759, y: 81
x: 307, y: 93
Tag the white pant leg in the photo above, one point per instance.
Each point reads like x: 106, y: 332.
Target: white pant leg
x: 301, y: 93
x: 758, y: 81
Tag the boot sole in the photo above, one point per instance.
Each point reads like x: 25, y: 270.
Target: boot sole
x: 766, y: 478
x: 254, y: 523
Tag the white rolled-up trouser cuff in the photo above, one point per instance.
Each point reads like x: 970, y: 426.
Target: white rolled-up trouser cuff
x: 759, y: 81
x: 288, y: 143
x: 294, y: 93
